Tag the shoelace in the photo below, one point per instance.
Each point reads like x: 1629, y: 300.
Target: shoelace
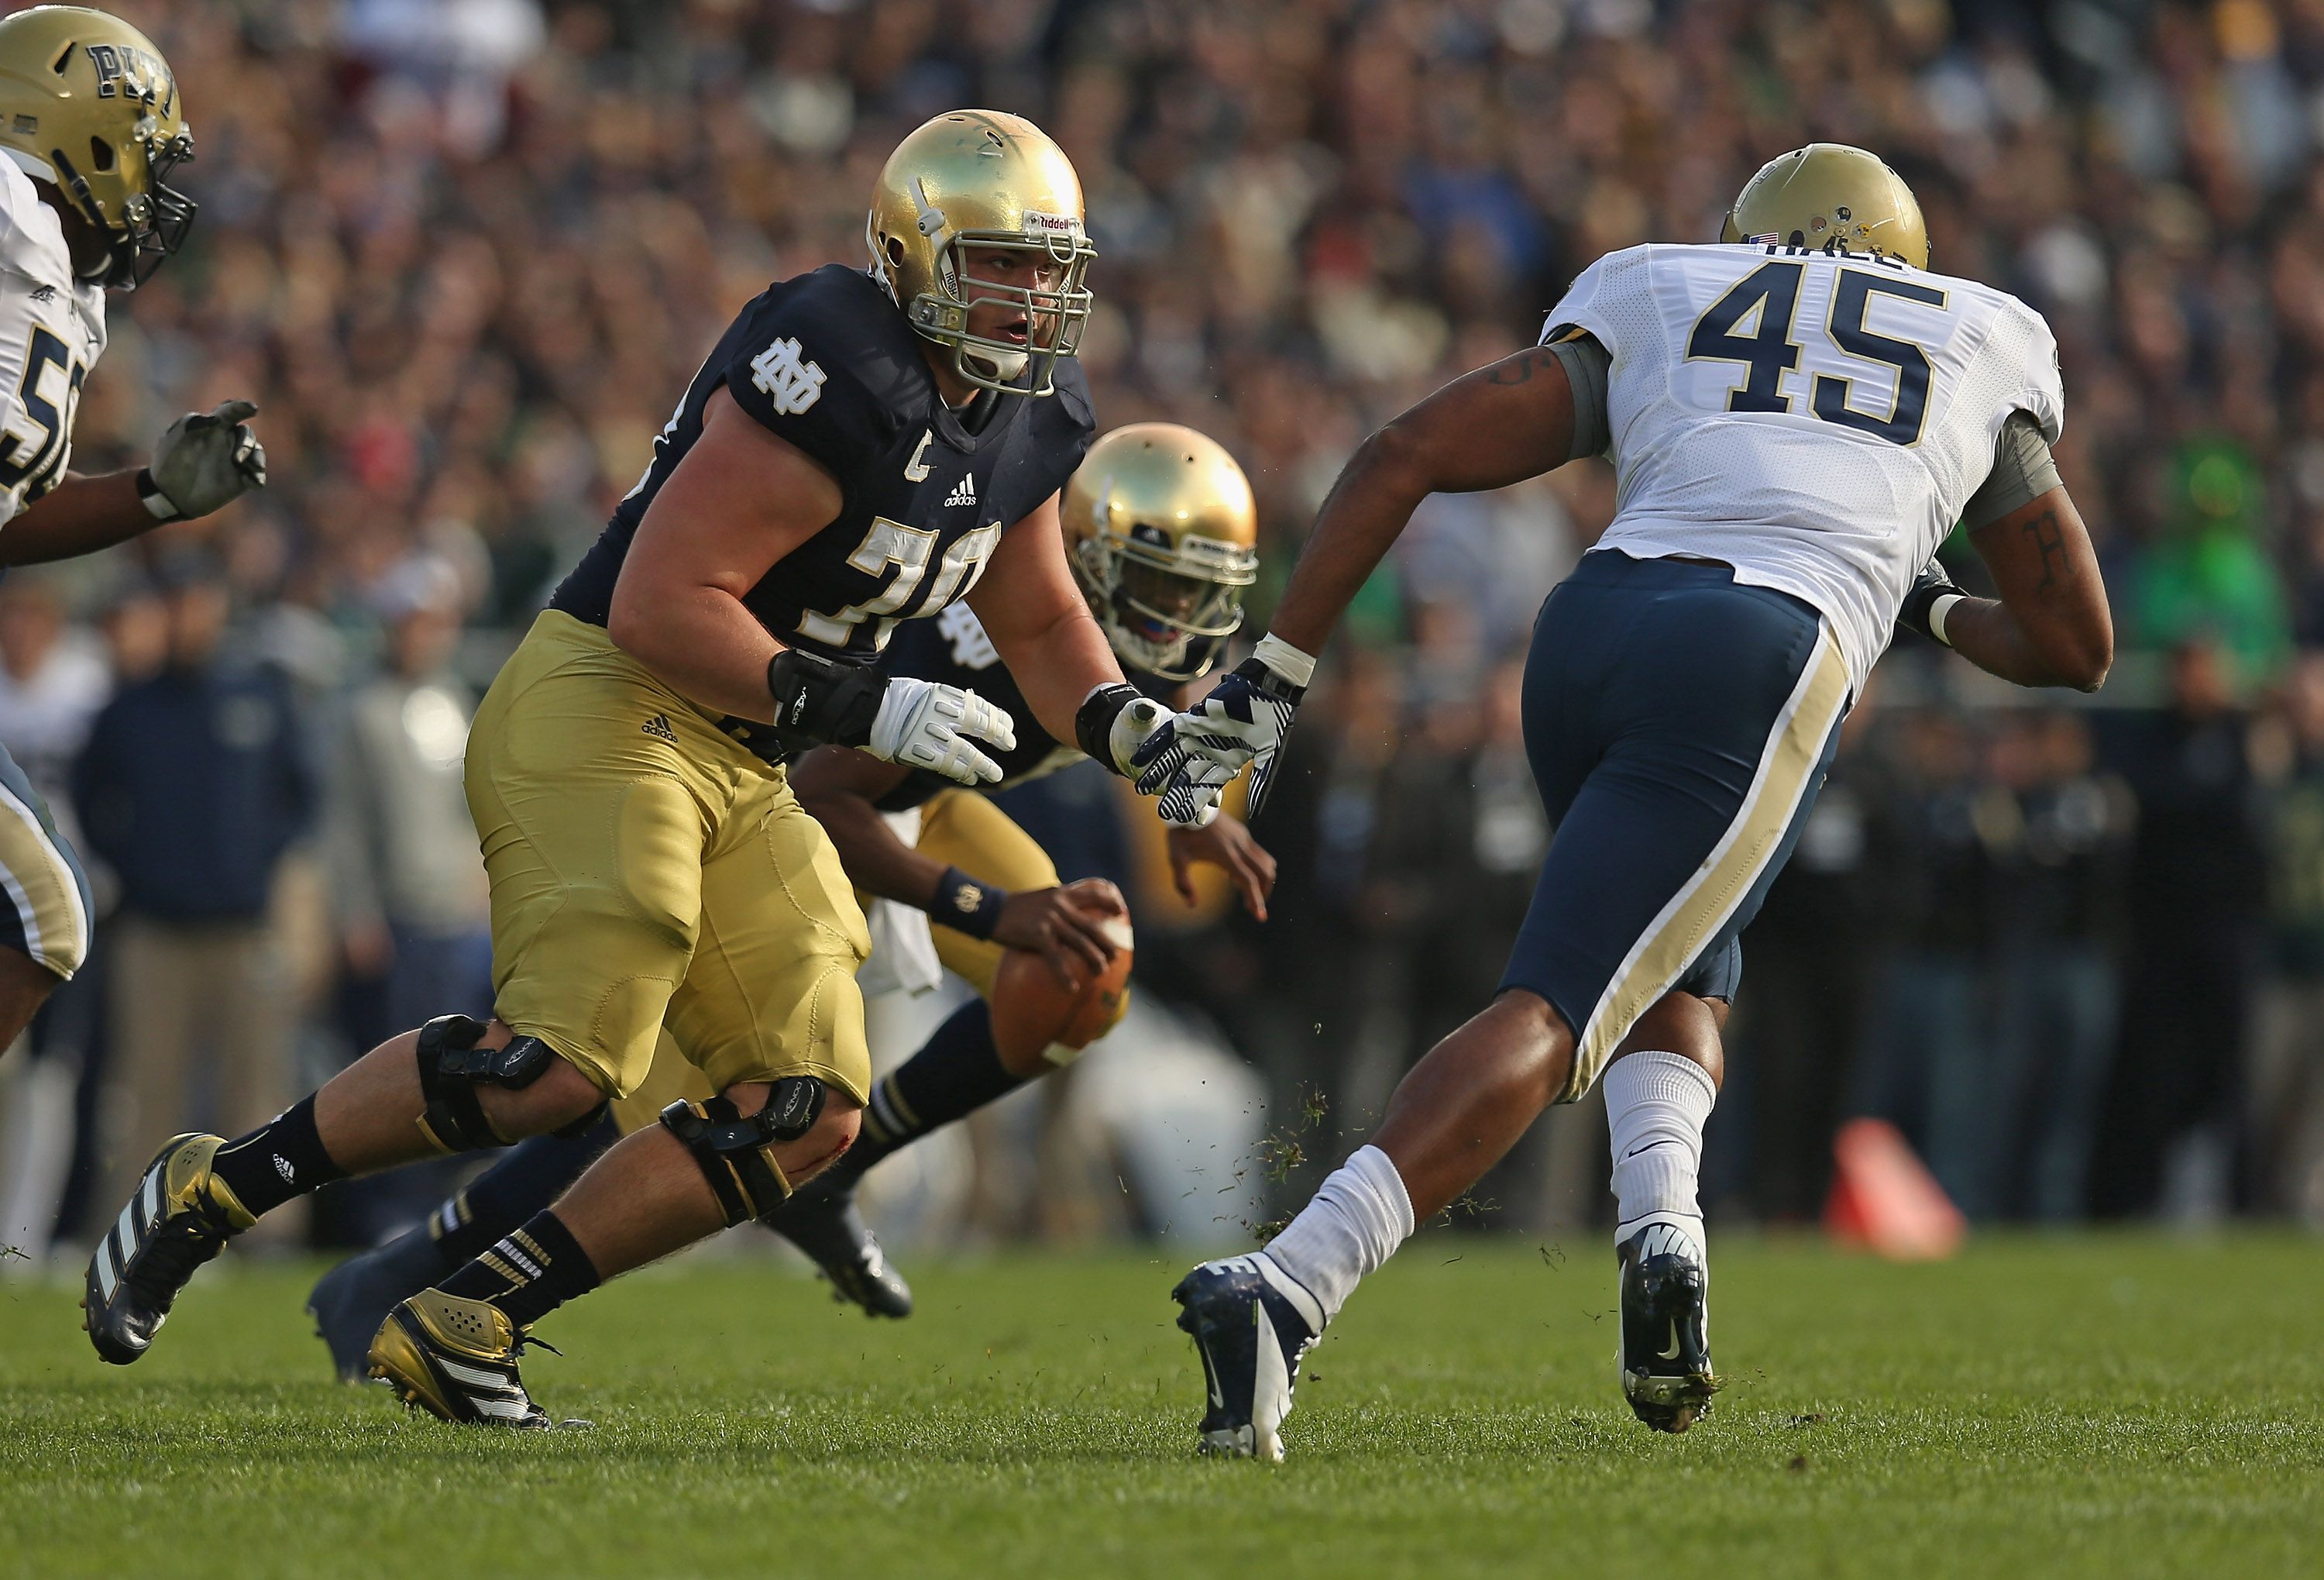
x: 180, y: 1246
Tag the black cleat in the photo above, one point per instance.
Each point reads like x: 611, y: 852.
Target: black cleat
x: 456, y: 1358
x: 823, y: 1223
x: 1251, y: 1325
x: 180, y: 1216
x: 1666, y: 1357
x: 349, y: 1302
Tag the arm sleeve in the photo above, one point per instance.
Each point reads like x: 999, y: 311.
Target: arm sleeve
x: 2023, y: 471
x: 1584, y: 331
x: 1586, y: 364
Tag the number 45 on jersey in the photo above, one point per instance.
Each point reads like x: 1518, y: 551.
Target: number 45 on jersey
x: 1756, y: 324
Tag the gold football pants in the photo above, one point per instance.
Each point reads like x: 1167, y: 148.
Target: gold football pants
x: 957, y: 827
x: 647, y: 873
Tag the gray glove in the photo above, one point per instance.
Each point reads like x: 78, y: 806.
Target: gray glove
x: 205, y: 462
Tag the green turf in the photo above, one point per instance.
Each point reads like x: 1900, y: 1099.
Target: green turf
x: 2103, y: 1406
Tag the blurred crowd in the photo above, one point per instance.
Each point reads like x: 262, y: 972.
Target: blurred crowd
x: 466, y: 255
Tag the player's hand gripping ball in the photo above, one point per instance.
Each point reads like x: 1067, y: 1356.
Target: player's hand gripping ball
x: 1032, y: 1011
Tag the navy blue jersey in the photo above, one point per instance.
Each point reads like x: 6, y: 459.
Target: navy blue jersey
x: 953, y: 650
x: 827, y: 361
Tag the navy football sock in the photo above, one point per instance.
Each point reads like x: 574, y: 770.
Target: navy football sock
x: 281, y: 1159
x: 525, y: 1180
x: 957, y: 1071
x: 528, y: 1272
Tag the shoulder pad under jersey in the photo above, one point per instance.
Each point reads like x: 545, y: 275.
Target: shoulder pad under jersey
x: 827, y: 363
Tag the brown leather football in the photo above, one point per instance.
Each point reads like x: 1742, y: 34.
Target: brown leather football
x: 1030, y: 1012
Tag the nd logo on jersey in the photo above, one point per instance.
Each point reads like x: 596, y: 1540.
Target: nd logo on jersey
x: 792, y: 384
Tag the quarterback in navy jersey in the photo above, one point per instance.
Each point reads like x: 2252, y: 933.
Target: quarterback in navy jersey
x: 1161, y: 529
x: 860, y: 449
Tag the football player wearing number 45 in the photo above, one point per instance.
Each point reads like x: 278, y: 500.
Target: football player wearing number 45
x: 92, y: 128
x: 1799, y: 415
x: 862, y: 447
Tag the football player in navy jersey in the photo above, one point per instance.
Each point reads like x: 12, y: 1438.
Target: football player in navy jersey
x: 1160, y: 524
x: 860, y: 449
x: 1162, y: 535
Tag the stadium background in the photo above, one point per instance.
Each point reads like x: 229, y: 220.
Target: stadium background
x: 466, y: 253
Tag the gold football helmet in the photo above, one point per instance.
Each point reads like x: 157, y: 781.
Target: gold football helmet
x: 1163, y: 537
x: 1829, y: 192
x: 982, y: 178
x: 87, y: 105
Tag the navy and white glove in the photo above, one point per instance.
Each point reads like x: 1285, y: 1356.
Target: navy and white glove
x: 1190, y: 761
x: 204, y: 462
x: 1114, y: 725
x: 1933, y: 596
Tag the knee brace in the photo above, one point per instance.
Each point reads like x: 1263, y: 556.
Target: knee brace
x: 452, y: 1066
x: 736, y: 1154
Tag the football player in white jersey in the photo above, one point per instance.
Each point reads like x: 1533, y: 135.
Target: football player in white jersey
x: 1798, y: 417
x: 91, y: 126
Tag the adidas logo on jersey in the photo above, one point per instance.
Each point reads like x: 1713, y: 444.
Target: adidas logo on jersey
x: 963, y: 491
x: 659, y: 728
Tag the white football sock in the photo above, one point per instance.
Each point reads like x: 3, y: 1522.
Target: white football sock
x: 1354, y: 1223
x: 1657, y: 1104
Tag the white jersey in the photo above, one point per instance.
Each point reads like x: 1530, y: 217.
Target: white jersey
x: 1816, y: 421
x: 51, y: 333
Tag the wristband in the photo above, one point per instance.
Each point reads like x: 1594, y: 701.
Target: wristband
x: 1093, y: 722
x: 830, y: 701
x: 1939, y: 608
x: 156, y: 503
x: 1285, y: 660
x: 966, y: 905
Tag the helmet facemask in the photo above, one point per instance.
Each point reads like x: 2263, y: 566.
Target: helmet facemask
x: 1055, y: 316
x: 1165, y: 608
x: 153, y: 223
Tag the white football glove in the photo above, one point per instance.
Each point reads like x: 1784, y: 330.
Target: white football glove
x: 923, y: 724
x: 206, y: 462
x: 1191, y: 759
x: 1144, y: 721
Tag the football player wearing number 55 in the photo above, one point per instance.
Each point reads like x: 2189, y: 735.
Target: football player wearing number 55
x: 1799, y: 413
x: 92, y: 128
x: 862, y: 447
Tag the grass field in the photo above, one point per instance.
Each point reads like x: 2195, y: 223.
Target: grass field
x: 2103, y: 1406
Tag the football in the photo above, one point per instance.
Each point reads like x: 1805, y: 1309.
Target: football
x: 1030, y: 1010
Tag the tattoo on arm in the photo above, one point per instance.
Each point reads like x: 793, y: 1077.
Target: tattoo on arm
x: 2043, y: 530
x: 1520, y: 368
